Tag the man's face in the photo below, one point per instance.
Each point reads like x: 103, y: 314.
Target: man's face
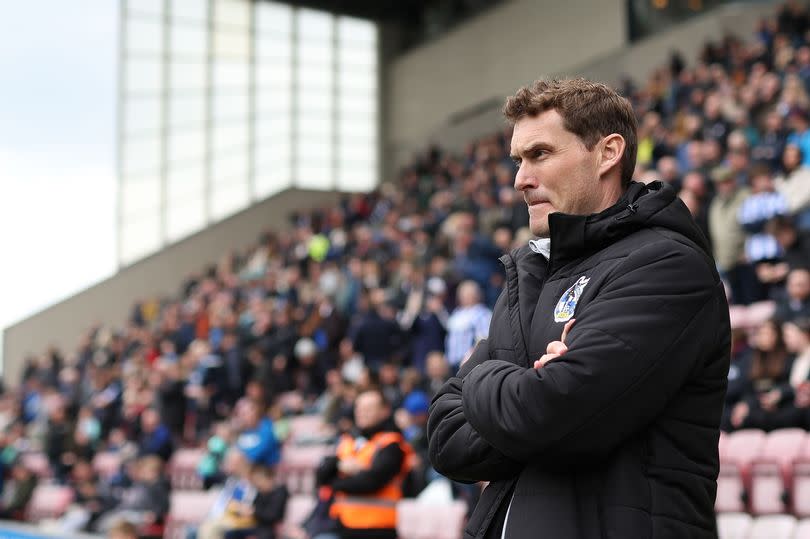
x: 798, y: 284
x: 369, y: 410
x: 557, y: 172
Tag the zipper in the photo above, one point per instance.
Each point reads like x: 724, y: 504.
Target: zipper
x: 630, y: 210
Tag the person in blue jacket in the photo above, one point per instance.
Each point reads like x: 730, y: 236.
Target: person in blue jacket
x: 257, y: 440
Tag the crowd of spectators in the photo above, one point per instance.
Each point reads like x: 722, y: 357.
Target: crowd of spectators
x: 392, y: 288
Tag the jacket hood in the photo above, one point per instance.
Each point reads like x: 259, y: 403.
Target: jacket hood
x: 641, y: 206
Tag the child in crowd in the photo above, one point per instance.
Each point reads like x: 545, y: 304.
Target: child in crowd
x: 268, y: 506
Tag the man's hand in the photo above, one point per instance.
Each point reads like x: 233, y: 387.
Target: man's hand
x: 349, y: 466
x: 769, y: 400
x: 739, y: 413
x: 555, y: 348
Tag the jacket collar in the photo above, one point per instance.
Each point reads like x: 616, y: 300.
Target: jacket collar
x: 576, y: 236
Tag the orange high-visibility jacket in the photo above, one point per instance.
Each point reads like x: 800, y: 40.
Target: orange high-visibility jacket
x: 377, y: 509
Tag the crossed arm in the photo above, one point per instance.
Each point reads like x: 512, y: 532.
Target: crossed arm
x: 631, y: 349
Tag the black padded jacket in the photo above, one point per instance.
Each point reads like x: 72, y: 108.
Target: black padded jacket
x: 617, y: 438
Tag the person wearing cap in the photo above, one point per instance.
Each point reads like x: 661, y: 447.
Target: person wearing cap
x: 728, y: 237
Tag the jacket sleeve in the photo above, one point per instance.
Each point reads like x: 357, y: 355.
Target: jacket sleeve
x: 630, y: 350
x: 456, y: 449
x: 386, y: 465
x: 269, y: 510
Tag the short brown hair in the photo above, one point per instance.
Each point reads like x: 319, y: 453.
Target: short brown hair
x: 590, y: 110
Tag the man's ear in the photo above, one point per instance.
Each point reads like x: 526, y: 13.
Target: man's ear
x: 611, y: 152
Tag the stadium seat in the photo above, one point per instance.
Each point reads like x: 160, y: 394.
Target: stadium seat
x: 48, y: 501
x: 733, y: 525
x: 772, y: 471
x: 310, y: 428
x: 760, y: 312
x: 773, y: 527
x: 752, y: 316
x: 291, y: 402
x: 742, y: 447
x: 298, y: 508
x: 38, y: 463
x: 420, y: 520
x: 722, y: 444
x: 188, y: 507
x: 107, y: 464
x: 802, y: 529
x: 738, y: 315
x: 298, y: 465
x: 800, y: 493
x: 183, y: 469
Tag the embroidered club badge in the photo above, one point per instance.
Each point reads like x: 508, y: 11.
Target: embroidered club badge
x: 565, y: 308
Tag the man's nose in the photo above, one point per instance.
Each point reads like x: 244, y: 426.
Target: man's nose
x: 524, y: 179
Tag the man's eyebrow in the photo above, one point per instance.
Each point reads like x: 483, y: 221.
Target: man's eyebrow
x: 531, y: 148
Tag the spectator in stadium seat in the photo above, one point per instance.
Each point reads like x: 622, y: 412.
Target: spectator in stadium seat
x: 217, y: 447
x: 268, y: 508
x: 425, y: 321
x: 796, y: 301
x: 377, y: 336
x: 89, y: 502
x: 787, y: 404
x: 800, y: 122
x: 58, y: 441
x: 768, y: 367
x: 794, y: 248
x: 204, y: 381
x: 233, y: 507
x: 233, y: 367
x: 366, y: 474
x: 171, y: 399
x: 145, y: 502
x: 771, y: 144
x: 106, y: 398
x: 17, y: 491
x: 309, y: 375
x: 562, y: 435
x: 437, y: 372
x: 668, y: 172
x: 739, y: 376
x: 156, y: 438
x: 388, y: 380
x: 728, y: 238
x: 468, y: 323
x: 761, y: 205
x: 794, y: 184
x: 257, y: 439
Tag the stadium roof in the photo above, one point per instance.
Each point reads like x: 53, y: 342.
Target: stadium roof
x: 418, y: 20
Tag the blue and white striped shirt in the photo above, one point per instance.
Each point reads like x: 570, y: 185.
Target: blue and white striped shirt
x: 757, y: 209
x: 465, y: 327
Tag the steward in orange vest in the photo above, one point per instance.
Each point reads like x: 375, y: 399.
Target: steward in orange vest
x: 366, y: 475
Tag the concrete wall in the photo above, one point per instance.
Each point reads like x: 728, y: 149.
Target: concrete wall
x: 465, y: 92
x: 491, y: 56
x: 111, y: 300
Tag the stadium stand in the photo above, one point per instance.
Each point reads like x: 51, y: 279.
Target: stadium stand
x: 359, y: 294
